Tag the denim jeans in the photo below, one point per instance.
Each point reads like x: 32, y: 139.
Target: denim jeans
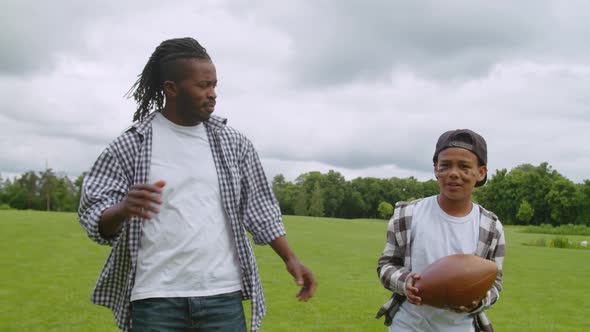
x: 218, y: 313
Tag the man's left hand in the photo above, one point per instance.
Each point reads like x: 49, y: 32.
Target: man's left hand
x: 303, y: 277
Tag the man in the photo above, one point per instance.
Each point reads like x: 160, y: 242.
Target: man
x: 422, y: 231
x: 174, y: 196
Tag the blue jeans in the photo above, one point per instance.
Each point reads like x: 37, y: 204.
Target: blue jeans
x: 218, y: 313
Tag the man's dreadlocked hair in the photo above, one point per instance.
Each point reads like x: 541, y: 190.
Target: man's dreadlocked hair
x: 162, y: 65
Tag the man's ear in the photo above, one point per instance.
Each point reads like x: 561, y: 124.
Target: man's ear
x: 170, y: 89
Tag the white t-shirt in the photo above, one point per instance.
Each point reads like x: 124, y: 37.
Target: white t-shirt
x: 436, y: 234
x: 187, y: 249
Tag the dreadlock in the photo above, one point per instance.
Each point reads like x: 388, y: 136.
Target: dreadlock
x: 162, y: 65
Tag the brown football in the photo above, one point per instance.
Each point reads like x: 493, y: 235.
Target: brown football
x: 456, y: 280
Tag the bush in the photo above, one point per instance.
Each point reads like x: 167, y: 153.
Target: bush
x: 5, y: 207
x: 542, y: 242
x: 560, y: 242
x: 385, y: 210
x: 568, y: 229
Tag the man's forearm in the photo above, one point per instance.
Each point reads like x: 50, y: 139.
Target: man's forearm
x: 303, y: 276
x: 281, y: 247
x: 111, y: 221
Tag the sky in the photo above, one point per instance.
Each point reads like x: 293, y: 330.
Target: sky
x: 364, y: 88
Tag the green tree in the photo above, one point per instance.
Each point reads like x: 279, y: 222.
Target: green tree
x: 3, y: 185
x: 47, y: 187
x: 65, y: 195
x: 316, y: 203
x: 305, y: 184
x: 25, y: 192
x: 41, y: 191
x: 333, y: 193
x: 78, y: 187
x: 385, y: 210
x: 561, y: 199
x: 505, y: 190
x: 353, y: 203
x: 301, y: 207
x: 584, y: 203
x: 525, y: 212
x: 430, y: 188
x: 284, y: 192
x: 371, y: 190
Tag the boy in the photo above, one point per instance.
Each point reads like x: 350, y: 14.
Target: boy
x: 422, y: 231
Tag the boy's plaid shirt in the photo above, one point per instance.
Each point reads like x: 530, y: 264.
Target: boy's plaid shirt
x: 247, y: 199
x: 395, y: 263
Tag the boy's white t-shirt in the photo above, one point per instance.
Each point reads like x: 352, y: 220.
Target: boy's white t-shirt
x: 434, y: 235
x: 187, y: 249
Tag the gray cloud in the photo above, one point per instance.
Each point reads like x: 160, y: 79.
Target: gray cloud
x: 362, y: 88
x: 34, y: 32
x: 340, y: 41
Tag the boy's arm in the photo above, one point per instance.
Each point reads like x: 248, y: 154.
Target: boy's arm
x: 496, y: 256
x: 390, y: 267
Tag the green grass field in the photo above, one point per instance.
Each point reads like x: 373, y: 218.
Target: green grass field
x: 49, y: 268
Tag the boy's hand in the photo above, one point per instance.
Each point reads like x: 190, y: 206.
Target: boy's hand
x: 412, y: 293
x: 465, y: 309
x: 473, y: 306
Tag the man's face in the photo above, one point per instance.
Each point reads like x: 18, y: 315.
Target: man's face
x: 457, y: 172
x: 195, y: 99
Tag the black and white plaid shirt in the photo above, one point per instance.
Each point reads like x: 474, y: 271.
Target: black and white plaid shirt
x: 246, y: 196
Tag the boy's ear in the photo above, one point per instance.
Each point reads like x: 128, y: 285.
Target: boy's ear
x: 482, y: 171
x: 436, y: 170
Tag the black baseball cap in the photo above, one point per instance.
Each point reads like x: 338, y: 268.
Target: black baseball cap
x: 466, y: 139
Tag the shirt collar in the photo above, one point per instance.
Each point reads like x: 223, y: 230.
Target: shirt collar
x: 215, y: 122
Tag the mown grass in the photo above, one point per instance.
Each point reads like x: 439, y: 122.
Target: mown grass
x: 49, y: 268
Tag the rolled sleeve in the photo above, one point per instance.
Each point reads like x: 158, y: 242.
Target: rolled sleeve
x: 102, y: 188
x: 497, y: 256
x: 267, y: 235
x: 391, y: 264
x: 262, y: 215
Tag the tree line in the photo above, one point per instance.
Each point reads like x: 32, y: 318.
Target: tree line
x: 41, y: 191
x: 525, y: 195
x: 330, y: 195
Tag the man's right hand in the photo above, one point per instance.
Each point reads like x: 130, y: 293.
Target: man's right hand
x: 141, y: 200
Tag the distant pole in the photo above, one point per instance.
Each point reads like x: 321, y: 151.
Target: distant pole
x: 47, y: 202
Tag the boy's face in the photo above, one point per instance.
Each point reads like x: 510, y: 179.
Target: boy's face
x: 457, y: 172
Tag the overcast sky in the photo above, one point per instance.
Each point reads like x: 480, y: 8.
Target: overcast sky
x: 361, y: 87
